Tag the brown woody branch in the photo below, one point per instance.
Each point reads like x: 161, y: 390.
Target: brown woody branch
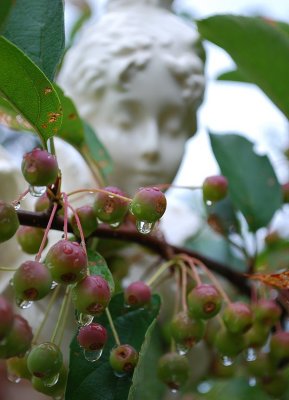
x: 153, y: 242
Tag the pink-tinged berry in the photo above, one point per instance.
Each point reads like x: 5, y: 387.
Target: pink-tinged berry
x: 110, y: 209
x: 19, y: 339
x: 42, y: 203
x: 279, y: 348
x: 92, y: 337
x: 39, y: 168
x: 215, y: 188
x: 67, y: 262
x: 148, y: 204
x: 87, y: 220
x: 9, y: 222
x: 32, y: 281
x: 173, y: 370
x: 137, y: 294
x: 267, y: 312
x: 123, y: 358
x: 6, y: 317
x: 91, y: 295
x: 187, y: 331
x: 238, y: 317
x: 204, y: 301
x: 30, y: 238
x: 44, y: 360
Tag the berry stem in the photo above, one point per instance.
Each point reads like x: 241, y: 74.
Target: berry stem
x: 112, y: 327
x: 60, y: 318
x: 64, y: 319
x: 21, y: 196
x: 65, y: 219
x: 78, y: 223
x: 191, y: 263
x: 50, y: 146
x: 184, y: 285
x: 158, y: 273
x: 43, y: 243
x: 163, y: 186
x: 100, y: 191
x: 49, y: 306
x: 7, y: 269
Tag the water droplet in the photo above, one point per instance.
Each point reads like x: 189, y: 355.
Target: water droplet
x: 144, y: 227
x: 204, y: 387
x: 209, y: 203
x: 11, y: 283
x: 53, y: 285
x: 17, y: 206
x: 84, y: 319
x: 23, y: 303
x: 115, y: 225
x: 111, y: 196
x: 119, y: 374
x: 51, y: 381
x: 60, y: 397
x: 13, y: 377
x: 92, y: 355
x: 182, y: 349
x: 252, y: 381
x: 174, y: 390
x: 227, y: 361
x: 37, y: 191
x: 250, y: 354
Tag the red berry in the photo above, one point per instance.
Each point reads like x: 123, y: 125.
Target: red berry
x: 19, y: 339
x: 123, y: 358
x: 9, y: 222
x: 110, y: 209
x: 215, y: 188
x: 267, y: 312
x: 91, y: 295
x: 137, y: 294
x: 67, y: 262
x: 39, y: 168
x: 148, y: 204
x: 42, y: 203
x: 6, y: 317
x: 204, y: 301
x: 30, y: 238
x: 92, y: 337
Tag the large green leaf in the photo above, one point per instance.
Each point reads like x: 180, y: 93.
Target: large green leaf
x: 37, y: 28
x: 28, y: 90
x: 6, y: 6
x: 253, y: 186
x: 98, y: 266
x: 234, y: 75
x: 97, y: 381
x: 260, y: 50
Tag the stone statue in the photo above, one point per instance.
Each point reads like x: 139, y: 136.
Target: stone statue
x: 137, y: 77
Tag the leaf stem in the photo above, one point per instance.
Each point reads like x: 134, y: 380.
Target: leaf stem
x: 158, y: 273
x: 100, y: 191
x: 112, y: 327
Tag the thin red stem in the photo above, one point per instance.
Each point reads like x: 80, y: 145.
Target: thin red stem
x: 43, y: 243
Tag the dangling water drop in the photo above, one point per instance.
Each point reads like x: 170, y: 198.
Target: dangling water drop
x: 92, y: 355
x: 182, y: 349
x: 53, y: 285
x: 115, y: 225
x: 84, y: 319
x: 250, y: 354
x: 209, y: 203
x: 51, y: 381
x: 174, y: 390
x: 227, y: 361
x: 13, y: 378
x: 17, y: 205
x: 119, y: 374
x: 11, y: 283
x: 252, y: 381
x: 60, y: 397
x: 144, y: 227
x: 204, y: 387
x: 23, y: 303
x: 37, y: 191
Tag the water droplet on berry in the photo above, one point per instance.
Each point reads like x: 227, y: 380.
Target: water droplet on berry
x: 182, y: 349
x: 23, y: 304
x: 204, y: 387
x: 51, y: 381
x: 250, y: 354
x: 115, y: 225
x: 37, y: 191
x: 252, y: 381
x: 17, y: 206
x: 92, y: 355
x: 13, y: 378
x: 53, y: 285
x: 227, y: 361
x: 119, y: 374
x: 84, y: 319
x: 144, y: 227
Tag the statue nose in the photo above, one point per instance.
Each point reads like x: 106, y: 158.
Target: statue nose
x: 151, y: 142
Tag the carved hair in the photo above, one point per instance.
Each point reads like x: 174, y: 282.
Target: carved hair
x: 126, y: 38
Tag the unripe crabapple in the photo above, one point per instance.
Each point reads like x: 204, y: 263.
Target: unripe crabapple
x: 9, y: 222
x: 92, y: 337
x: 215, y: 188
x: 204, y: 301
x: 39, y: 167
x: 148, y: 204
x: 137, y: 294
x: 110, y: 209
x: 123, y: 358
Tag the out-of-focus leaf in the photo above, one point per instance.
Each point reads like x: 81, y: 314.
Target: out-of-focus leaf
x: 234, y: 76
x: 253, y: 185
x: 97, y: 381
x: 222, y: 217
x: 274, y: 258
x: 37, y: 28
x: 259, y: 49
x: 6, y: 6
x: 98, y: 266
x: 85, y: 15
x: 280, y: 281
x: 28, y: 90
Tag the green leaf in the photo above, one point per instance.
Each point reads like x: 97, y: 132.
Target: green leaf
x: 97, y: 151
x: 11, y: 118
x: 253, y: 185
x: 274, y: 258
x: 234, y: 76
x: 222, y: 216
x: 97, y: 381
x: 28, y: 90
x: 260, y: 50
x: 72, y: 129
x: 37, y: 28
x: 6, y: 6
x: 98, y: 266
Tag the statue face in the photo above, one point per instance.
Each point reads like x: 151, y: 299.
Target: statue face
x: 144, y: 127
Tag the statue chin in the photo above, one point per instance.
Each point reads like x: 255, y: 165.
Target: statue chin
x: 136, y: 76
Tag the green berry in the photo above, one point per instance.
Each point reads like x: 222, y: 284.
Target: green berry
x: 123, y: 358
x: 87, y: 219
x: 238, y: 317
x: 148, y: 204
x: 39, y: 168
x: 204, y: 301
x: 55, y: 391
x: 44, y: 360
x: 187, y: 331
x: 215, y: 188
x: 173, y: 370
x: 111, y: 209
x: 17, y: 366
x: 6, y: 317
x: 267, y: 312
x: 229, y: 344
x: 30, y: 238
x: 9, y: 222
x: 279, y: 348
